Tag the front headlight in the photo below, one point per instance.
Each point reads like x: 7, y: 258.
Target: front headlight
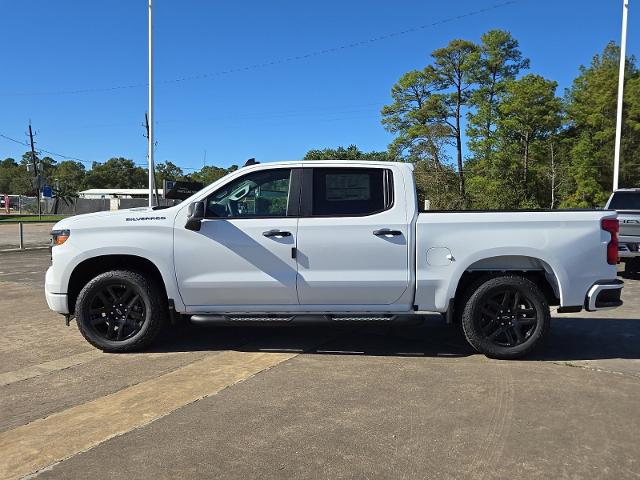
x: 58, y: 237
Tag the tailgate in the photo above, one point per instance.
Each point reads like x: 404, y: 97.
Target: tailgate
x: 629, y: 223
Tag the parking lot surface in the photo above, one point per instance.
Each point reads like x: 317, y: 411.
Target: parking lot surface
x: 313, y: 401
x: 34, y: 235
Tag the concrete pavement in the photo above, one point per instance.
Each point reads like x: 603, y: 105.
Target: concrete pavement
x: 34, y: 235
x: 313, y: 401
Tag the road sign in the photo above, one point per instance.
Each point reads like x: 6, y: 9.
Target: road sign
x: 47, y: 191
x: 181, y: 190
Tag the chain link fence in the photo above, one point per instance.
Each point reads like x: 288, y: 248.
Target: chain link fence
x: 22, y: 205
x: 17, y: 234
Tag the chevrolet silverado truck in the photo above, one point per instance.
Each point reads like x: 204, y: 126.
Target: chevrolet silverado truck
x: 626, y: 202
x: 339, y: 241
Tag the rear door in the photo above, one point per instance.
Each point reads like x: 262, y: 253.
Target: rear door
x: 352, y: 237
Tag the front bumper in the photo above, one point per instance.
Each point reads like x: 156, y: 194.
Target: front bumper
x: 604, y: 295
x: 57, y: 302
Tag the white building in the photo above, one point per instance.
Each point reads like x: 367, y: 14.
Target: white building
x: 117, y: 193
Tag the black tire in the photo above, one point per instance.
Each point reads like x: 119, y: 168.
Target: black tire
x: 121, y: 327
x: 505, y: 317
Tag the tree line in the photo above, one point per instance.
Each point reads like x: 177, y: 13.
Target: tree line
x: 70, y: 177
x: 482, y: 131
x: 527, y: 147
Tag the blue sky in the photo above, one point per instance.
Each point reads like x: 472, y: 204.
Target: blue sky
x: 275, y: 112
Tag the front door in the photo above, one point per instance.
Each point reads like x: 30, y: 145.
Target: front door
x: 352, y: 237
x: 242, y: 254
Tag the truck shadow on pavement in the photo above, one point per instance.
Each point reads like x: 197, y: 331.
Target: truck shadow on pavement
x: 589, y: 338
x: 571, y: 338
x: 629, y: 276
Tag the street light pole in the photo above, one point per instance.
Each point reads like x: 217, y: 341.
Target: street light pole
x: 150, y: 136
x: 623, y: 57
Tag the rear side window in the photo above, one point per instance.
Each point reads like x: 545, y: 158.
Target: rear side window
x: 625, y: 201
x: 351, y: 191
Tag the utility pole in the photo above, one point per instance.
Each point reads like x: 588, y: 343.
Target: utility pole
x: 35, y: 169
x: 623, y: 58
x: 553, y: 178
x: 146, y: 126
x: 150, y: 119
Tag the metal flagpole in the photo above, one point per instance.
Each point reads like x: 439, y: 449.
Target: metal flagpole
x: 150, y: 136
x: 623, y: 56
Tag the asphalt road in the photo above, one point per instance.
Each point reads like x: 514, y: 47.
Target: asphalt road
x: 313, y: 401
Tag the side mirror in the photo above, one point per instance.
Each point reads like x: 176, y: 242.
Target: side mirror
x: 195, y: 214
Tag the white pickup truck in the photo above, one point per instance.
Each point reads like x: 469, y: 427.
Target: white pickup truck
x: 626, y: 201
x: 342, y: 241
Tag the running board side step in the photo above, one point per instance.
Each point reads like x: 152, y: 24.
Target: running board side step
x: 275, y: 319
x: 244, y: 318
x: 359, y: 318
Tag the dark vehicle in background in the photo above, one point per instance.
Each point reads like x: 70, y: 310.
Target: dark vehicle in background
x: 626, y: 201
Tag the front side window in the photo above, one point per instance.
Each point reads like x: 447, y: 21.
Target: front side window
x: 258, y: 194
x: 350, y: 191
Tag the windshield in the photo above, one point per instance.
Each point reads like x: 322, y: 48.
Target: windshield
x: 625, y: 201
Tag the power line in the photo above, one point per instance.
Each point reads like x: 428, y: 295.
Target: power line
x: 311, y: 110
x: 280, y: 61
x: 14, y: 140
x: 67, y: 157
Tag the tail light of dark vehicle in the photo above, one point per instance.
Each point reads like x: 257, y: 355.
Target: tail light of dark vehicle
x: 612, y: 225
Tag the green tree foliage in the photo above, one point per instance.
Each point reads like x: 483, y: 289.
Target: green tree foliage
x: 7, y: 172
x: 456, y: 68
x: 528, y: 119
x: 63, y: 195
x: 528, y: 148
x: 500, y: 62
x: 116, y: 173
x: 429, y: 105
x: 14, y: 178
x: 591, y: 115
x: 69, y: 176
x: 530, y: 113
x: 169, y: 171
x: 438, y: 184
x: 417, y: 118
x: 209, y: 174
x: 350, y: 153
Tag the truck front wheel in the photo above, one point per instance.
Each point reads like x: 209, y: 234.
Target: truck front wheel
x: 120, y: 311
x: 505, y: 317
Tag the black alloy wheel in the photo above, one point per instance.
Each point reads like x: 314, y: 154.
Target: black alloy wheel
x: 116, y: 312
x: 505, y: 316
x: 121, y: 310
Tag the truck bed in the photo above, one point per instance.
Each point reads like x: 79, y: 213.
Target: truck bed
x: 565, y: 244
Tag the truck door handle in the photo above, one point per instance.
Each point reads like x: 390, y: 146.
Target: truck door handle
x: 276, y: 233
x: 383, y: 232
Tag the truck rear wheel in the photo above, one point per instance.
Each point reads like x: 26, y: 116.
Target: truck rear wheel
x: 120, y: 311
x: 505, y: 317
